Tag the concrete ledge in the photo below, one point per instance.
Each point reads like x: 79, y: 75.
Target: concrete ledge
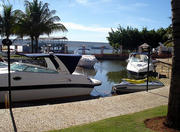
x: 50, y: 117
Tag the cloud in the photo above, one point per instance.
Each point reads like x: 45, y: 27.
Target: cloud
x: 74, y: 26
x: 105, y: 1
x: 92, y: 2
x: 84, y: 2
x: 140, y: 5
x: 143, y: 19
x: 132, y: 7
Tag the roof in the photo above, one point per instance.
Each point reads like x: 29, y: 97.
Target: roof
x: 145, y: 45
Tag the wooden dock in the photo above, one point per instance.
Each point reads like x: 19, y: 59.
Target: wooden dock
x: 164, y: 67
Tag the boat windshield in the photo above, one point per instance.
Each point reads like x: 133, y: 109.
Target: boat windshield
x: 3, y: 64
x: 139, y: 58
x: 29, y: 68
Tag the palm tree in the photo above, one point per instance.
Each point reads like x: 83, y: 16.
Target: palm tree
x: 8, y: 21
x: 24, y: 27
x: 41, y: 20
x: 173, y: 116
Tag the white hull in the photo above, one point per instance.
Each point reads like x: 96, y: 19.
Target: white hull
x: 36, y: 86
x: 29, y: 95
x: 133, y: 67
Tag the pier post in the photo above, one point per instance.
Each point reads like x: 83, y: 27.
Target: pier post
x: 160, y: 50
x: 65, y: 49
x: 148, y: 68
x: 121, y: 49
x: 102, y: 50
x: 83, y: 50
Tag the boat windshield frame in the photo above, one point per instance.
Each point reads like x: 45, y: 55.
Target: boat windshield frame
x: 139, y: 58
x: 22, y: 67
x: 3, y: 64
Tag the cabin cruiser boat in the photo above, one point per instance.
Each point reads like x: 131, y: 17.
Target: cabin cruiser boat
x: 87, y: 60
x: 138, y: 63
x: 131, y: 85
x: 33, y: 82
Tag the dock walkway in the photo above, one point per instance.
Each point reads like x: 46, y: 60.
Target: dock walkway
x: 58, y: 116
x: 164, y: 67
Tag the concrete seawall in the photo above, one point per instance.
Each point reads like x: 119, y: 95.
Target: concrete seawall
x: 59, y: 116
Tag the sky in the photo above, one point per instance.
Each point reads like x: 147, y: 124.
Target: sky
x: 91, y: 20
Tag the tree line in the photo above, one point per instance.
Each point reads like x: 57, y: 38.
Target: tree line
x: 36, y: 20
x: 130, y: 38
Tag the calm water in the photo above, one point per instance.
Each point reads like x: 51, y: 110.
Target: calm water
x: 109, y: 72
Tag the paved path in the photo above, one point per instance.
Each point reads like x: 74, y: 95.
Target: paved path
x: 50, y: 117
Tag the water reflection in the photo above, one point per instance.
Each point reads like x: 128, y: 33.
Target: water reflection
x: 85, y: 71
x: 116, y: 77
x: 109, y: 72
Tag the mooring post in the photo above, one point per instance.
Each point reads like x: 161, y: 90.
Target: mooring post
x: 148, y: 69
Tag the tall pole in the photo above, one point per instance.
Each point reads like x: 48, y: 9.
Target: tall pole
x: 9, y: 78
x: 8, y: 42
x: 148, y: 69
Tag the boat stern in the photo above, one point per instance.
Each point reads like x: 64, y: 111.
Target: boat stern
x: 95, y: 82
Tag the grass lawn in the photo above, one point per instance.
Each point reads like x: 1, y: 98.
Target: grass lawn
x: 125, y: 123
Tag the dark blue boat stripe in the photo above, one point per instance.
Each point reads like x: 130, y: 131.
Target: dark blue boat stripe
x: 34, y: 87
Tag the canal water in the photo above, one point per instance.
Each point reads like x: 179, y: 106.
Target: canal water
x: 109, y: 72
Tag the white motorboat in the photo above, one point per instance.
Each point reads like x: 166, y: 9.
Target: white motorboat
x: 33, y: 82
x: 138, y: 63
x: 87, y: 60
x: 130, y: 85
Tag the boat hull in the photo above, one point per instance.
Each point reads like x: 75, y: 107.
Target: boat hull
x: 125, y: 87
x: 139, y: 70
x: 48, y: 93
x: 140, y: 74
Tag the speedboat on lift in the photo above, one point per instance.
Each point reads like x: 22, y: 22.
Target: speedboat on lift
x: 138, y: 64
x: 34, y: 82
x: 131, y: 85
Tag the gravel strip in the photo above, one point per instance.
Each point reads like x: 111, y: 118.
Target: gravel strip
x: 58, y: 116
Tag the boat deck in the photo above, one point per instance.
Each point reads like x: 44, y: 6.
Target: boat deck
x: 164, y: 67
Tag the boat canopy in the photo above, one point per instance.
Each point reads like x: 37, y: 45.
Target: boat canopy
x: 69, y: 60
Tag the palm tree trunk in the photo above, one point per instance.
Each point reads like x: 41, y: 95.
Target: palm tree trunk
x: 37, y: 47
x: 173, y: 116
x: 32, y: 44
